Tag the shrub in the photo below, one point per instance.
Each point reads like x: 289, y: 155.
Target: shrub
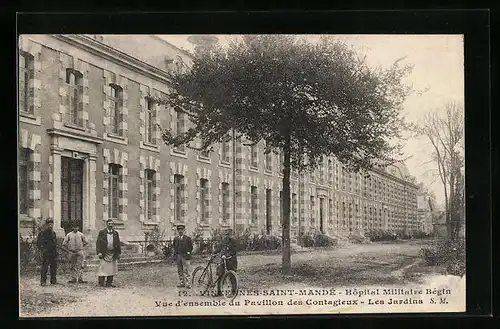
x: 311, y: 239
x: 30, y: 256
x: 155, y: 241
x: 263, y: 242
x: 381, y: 235
x: 389, y: 235
x: 446, y: 253
x: 168, y: 251
x: 357, y: 238
x: 201, y: 245
x: 429, y: 255
x: 272, y: 242
x: 403, y: 235
x: 245, y: 241
x: 321, y: 240
x: 422, y: 235
x: 306, y: 239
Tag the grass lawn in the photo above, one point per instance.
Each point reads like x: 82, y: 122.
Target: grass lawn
x: 361, y: 269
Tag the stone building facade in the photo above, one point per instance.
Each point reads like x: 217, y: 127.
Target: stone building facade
x: 90, y: 149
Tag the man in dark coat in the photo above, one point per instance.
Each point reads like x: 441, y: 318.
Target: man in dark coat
x: 227, y: 247
x: 47, y: 244
x: 183, y: 246
x: 108, y: 250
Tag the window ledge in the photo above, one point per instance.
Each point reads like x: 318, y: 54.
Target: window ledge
x: 72, y: 126
x: 118, y: 224
x: 30, y: 118
x: 224, y: 164
x: 254, y: 169
x: 25, y: 218
x: 116, y: 139
x: 150, y: 147
x: 178, y: 154
x: 150, y: 223
x: 203, y: 159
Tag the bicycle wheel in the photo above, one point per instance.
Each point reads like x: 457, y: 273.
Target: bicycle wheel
x: 230, y: 285
x: 201, y: 280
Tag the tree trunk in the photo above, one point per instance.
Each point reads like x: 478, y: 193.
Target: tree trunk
x: 451, y: 208
x: 286, y: 254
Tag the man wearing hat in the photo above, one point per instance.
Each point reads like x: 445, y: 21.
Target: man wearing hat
x: 108, y: 250
x: 47, y: 244
x: 74, y: 242
x: 183, y: 246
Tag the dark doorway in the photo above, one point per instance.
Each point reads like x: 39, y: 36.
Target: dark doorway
x: 71, y: 193
x: 268, y: 211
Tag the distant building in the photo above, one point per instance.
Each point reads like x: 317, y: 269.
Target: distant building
x: 424, y: 208
x: 90, y: 149
x: 440, y: 229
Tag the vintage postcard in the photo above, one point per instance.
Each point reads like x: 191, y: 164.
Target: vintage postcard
x: 172, y: 175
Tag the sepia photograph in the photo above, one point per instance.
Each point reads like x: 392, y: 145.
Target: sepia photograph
x: 240, y: 174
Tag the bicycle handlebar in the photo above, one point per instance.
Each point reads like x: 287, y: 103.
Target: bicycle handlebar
x: 222, y: 256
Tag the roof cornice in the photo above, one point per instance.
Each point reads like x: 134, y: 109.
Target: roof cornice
x: 185, y: 52
x: 109, y: 53
x: 386, y: 174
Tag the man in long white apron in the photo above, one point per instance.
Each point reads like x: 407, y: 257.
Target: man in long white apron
x: 108, y: 250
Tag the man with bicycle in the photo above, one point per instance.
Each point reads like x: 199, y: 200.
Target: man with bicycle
x: 227, y: 248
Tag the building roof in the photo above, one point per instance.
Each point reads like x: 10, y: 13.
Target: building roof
x: 399, y: 170
x: 148, y: 48
x: 184, y: 51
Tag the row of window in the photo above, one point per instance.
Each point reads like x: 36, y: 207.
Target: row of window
x: 71, y: 196
x: 74, y: 101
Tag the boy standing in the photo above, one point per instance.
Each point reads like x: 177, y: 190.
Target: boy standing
x: 75, y: 241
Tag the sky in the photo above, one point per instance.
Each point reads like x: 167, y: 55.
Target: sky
x: 438, y: 73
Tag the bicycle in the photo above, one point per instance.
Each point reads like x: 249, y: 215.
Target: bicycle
x: 202, y: 279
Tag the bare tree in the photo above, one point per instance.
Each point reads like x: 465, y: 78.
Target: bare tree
x: 445, y: 130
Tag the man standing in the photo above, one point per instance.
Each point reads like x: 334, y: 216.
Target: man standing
x: 108, y: 250
x: 47, y: 244
x: 75, y: 241
x: 183, y: 246
x: 227, y: 248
